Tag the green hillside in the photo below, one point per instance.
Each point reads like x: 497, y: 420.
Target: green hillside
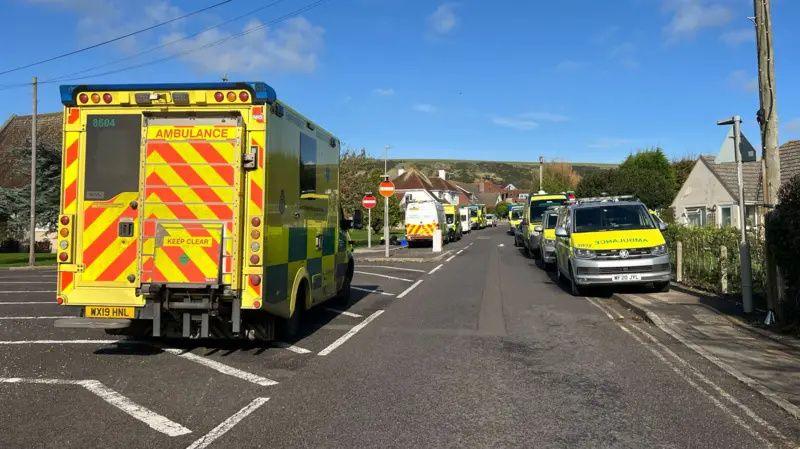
x: 521, y: 174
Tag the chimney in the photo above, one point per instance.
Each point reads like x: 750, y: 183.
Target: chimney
x: 442, y: 174
x: 400, y: 171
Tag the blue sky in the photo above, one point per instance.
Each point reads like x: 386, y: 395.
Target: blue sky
x: 579, y: 80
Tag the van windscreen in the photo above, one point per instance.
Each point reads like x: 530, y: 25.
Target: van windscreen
x: 612, y: 218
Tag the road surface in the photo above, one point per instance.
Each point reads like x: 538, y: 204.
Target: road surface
x: 480, y: 349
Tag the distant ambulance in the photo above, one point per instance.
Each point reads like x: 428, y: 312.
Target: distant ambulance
x: 422, y: 218
x: 453, y: 223
x: 463, y: 215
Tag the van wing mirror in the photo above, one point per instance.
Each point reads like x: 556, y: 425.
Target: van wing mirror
x: 662, y: 226
x: 561, y: 232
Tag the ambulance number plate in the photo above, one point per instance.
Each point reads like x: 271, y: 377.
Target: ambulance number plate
x: 631, y: 277
x: 109, y: 312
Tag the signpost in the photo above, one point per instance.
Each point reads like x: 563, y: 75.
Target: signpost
x: 386, y: 189
x: 369, y: 201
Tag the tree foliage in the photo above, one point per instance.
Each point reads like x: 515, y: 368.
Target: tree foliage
x: 559, y: 177
x: 597, y: 183
x: 649, y: 176
x: 784, y: 241
x: 501, y: 210
x: 358, y: 175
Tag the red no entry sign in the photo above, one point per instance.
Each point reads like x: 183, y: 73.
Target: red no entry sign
x: 386, y: 188
x: 369, y: 201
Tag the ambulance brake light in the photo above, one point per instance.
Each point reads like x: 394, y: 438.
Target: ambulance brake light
x: 244, y: 96
x: 64, y: 220
x: 107, y: 98
x: 219, y: 96
x: 83, y: 98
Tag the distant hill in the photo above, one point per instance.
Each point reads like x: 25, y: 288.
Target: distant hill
x: 521, y: 174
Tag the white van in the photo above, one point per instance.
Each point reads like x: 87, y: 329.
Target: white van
x: 422, y: 218
x: 463, y: 215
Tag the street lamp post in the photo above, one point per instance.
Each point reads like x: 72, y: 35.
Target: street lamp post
x: 744, y: 248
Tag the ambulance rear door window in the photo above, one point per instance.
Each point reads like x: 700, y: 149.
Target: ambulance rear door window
x: 112, y: 155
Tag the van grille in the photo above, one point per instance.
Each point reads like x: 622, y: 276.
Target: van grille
x: 623, y: 270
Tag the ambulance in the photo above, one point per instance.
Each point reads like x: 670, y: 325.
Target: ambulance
x: 547, y: 237
x: 610, y: 241
x: 453, y: 222
x: 537, y: 204
x: 463, y: 214
x: 477, y: 216
x: 515, y: 217
x: 197, y: 210
x: 421, y: 219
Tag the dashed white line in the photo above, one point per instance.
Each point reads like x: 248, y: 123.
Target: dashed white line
x: 145, y: 415
x: 291, y: 347
x: 222, y: 368
x: 339, y: 341
x: 343, y: 312
x: 35, y: 317
x: 408, y: 290
x: 459, y: 251
x: 450, y: 258
x: 223, y: 427
x: 501, y: 245
x: 436, y: 268
x: 395, y: 268
x: 372, y: 290
x: 383, y: 276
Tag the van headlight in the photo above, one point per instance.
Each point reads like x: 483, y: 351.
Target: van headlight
x: 584, y: 253
x: 659, y: 250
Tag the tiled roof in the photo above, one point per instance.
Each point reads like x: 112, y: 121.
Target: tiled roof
x: 727, y: 174
x: 412, y: 180
x: 15, y: 133
x: 790, y: 159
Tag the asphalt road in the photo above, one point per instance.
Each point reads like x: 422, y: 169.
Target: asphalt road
x: 480, y: 349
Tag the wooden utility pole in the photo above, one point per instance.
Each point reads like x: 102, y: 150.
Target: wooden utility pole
x: 768, y: 113
x: 768, y: 121
x: 32, y: 236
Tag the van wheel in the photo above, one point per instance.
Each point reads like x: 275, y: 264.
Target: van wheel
x: 662, y: 287
x: 575, y: 289
x: 290, y: 327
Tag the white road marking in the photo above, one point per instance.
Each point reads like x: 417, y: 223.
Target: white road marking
x: 450, y: 258
x: 222, y: 368
x: 291, y: 347
x: 58, y: 342
x: 501, y: 245
x: 18, y: 303
x: 383, y: 276
x: 408, y: 290
x: 436, y: 269
x: 35, y: 317
x: 339, y: 341
x: 228, y: 424
x: 372, y: 290
x: 747, y: 380
x: 145, y: 415
x: 25, y: 291
x: 752, y: 415
x: 459, y: 251
x: 395, y: 268
x: 343, y: 312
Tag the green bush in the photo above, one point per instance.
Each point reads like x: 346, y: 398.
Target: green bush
x: 784, y: 241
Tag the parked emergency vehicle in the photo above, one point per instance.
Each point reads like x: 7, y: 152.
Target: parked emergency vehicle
x: 453, y: 223
x: 202, y: 209
x: 610, y: 241
x: 422, y: 218
x: 477, y: 216
x: 463, y: 214
x: 534, y: 209
x: 515, y: 217
x: 547, y: 237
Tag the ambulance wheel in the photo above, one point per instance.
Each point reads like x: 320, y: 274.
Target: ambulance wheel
x: 575, y: 289
x: 343, y: 295
x: 290, y: 327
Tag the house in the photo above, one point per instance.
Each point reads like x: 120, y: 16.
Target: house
x: 413, y: 185
x: 709, y: 196
x: 15, y: 134
x: 483, y: 191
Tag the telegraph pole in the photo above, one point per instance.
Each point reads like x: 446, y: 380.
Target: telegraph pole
x: 32, y: 238
x: 541, y: 171
x: 768, y: 121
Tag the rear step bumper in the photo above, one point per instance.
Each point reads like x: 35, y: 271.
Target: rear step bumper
x: 92, y: 323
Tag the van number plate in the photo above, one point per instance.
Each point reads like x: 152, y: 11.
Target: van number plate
x: 626, y: 277
x: 109, y: 312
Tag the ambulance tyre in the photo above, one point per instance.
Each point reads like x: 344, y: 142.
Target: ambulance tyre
x: 343, y: 295
x: 575, y: 289
x: 289, y: 328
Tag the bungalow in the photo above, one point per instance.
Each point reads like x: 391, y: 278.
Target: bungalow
x: 413, y: 185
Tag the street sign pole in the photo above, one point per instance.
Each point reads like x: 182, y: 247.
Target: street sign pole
x: 386, y: 189
x: 369, y: 228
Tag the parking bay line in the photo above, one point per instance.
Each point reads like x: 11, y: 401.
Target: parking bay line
x: 396, y: 268
x: 113, y: 397
x: 343, y: 312
x: 290, y: 347
x: 450, y: 258
x: 339, y: 341
x: 372, y: 290
x: 223, y: 427
x: 408, y: 290
x: 221, y: 367
x: 383, y: 276
x: 436, y: 269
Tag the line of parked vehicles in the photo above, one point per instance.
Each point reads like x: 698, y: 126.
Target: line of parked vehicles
x: 593, y: 242
x: 422, y: 218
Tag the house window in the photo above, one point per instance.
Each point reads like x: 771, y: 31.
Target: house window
x: 725, y: 216
x: 696, y: 216
x: 751, y: 217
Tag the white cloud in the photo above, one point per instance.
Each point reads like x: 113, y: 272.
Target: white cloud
x: 293, y: 46
x: 383, y: 91
x: 517, y: 123
x: 545, y: 117
x: 443, y: 20
x: 736, y: 37
x: 743, y: 80
x: 424, y: 107
x: 688, y: 17
x: 569, y: 65
x: 610, y: 142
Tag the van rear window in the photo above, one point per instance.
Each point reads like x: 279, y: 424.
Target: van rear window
x: 112, y: 155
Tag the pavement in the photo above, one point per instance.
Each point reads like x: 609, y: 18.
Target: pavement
x: 478, y: 349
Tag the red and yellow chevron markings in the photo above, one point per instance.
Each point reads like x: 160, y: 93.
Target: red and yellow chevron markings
x: 420, y: 230
x: 106, y: 256
x: 255, y: 208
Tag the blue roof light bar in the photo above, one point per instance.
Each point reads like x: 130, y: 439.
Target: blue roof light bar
x: 261, y: 92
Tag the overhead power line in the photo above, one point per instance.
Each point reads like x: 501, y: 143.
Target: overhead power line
x: 118, y: 38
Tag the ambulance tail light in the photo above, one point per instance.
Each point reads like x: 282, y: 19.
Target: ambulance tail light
x: 244, y: 96
x: 255, y: 241
x: 219, y: 96
x: 107, y: 98
x: 65, y: 233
